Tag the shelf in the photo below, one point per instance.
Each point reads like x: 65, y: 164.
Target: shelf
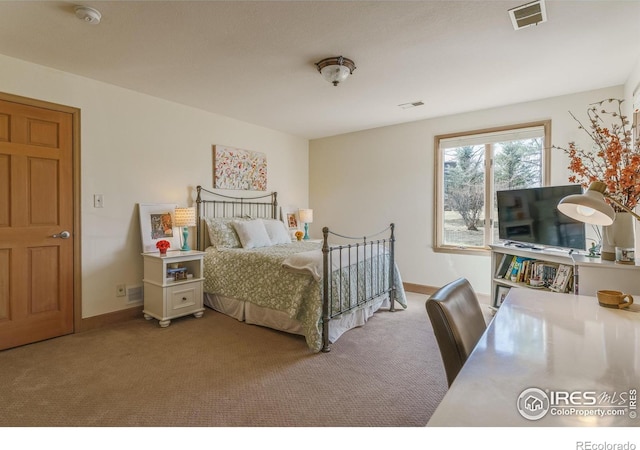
x: 546, y: 254
x: 583, y: 260
x: 556, y: 268
x: 171, y: 282
x: 588, y: 274
x: 158, y: 270
x: 504, y: 282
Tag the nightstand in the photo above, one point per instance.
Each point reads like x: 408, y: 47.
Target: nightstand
x: 173, y: 285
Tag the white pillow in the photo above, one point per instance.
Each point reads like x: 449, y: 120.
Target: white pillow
x: 278, y: 233
x: 252, y: 234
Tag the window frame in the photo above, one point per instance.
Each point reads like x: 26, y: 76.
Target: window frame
x: 438, y: 228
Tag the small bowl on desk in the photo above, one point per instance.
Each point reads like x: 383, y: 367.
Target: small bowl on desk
x: 614, y: 299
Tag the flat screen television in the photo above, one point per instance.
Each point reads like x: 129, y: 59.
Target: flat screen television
x: 531, y: 217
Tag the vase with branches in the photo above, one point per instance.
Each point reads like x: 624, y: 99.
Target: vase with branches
x: 613, y: 159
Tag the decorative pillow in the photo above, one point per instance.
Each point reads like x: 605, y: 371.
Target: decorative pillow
x: 252, y: 233
x: 278, y: 233
x: 222, y: 234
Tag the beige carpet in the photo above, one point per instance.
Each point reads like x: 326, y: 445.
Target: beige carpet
x: 218, y: 372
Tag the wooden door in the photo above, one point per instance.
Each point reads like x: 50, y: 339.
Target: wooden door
x: 36, y: 204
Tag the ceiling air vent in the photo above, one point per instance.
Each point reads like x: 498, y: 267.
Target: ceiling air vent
x: 528, y: 14
x: 411, y: 105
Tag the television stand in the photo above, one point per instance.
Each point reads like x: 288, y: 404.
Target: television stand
x: 589, y: 274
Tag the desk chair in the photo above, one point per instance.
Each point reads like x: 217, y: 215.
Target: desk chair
x: 457, y: 322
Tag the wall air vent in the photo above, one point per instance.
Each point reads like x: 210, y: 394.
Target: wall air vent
x: 528, y: 14
x: 135, y: 294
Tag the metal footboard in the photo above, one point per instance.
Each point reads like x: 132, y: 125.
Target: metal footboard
x: 356, y: 274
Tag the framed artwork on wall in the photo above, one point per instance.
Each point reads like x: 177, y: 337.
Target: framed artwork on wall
x: 156, y: 224
x: 234, y: 168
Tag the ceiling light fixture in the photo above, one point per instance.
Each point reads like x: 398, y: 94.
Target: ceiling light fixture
x: 335, y: 69
x: 88, y: 15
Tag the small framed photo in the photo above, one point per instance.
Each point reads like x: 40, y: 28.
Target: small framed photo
x: 289, y: 216
x: 156, y: 224
x: 501, y: 294
x: 561, y: 280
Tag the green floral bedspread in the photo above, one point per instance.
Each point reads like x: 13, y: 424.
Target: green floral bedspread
x: 257, y: 276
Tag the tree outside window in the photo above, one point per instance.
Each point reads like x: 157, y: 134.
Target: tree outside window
x: 472, y: 167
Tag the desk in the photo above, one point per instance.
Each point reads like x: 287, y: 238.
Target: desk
x: 567, y: 347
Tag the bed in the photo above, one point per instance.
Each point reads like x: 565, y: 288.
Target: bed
x: 255, y: 272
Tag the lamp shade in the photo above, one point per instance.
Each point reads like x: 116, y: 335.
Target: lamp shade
x: 589, y: 207
x: 185, y: 217
x: 306, y: 215
x: 335, y: 69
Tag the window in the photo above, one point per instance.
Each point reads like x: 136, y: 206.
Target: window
x: 471, y: 167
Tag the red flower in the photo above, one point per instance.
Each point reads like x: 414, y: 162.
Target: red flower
x: 614, y: 160
x: 163, y: 245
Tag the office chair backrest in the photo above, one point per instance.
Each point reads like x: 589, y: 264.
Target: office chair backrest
x: 458, y: 323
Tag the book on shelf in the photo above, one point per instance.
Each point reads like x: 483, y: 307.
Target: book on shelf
x: 542, y: 274
x: 519, y: 269
x: 178, y: 273
x: 507, y: 274
x: 504, y: 264
x: 535, y: 272
x: 514, y: 268
x: 506, y: 267
x: 525, y: 272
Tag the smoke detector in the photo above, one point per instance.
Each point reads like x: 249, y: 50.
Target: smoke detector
x: 88, y: 15
x: 529, y: 14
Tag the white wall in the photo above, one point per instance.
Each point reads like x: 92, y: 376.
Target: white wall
x: 360, y: 182
x: 136, y: 149
x: 631, y: 87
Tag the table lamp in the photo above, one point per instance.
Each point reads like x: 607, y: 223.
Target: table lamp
x: 591, y: 207
x: 306, y: 217
x: 185, y: 218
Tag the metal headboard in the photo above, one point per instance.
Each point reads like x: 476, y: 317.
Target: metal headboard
x: 220, y: 205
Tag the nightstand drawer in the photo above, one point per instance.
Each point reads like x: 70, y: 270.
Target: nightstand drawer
x: 184, y: 297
